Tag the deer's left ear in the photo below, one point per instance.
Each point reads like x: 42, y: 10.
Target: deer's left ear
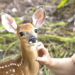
x: 38, y: 18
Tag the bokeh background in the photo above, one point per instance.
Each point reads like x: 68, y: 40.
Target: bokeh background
x: 56, y: 34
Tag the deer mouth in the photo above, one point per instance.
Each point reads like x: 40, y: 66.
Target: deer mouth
x: 32, y: 43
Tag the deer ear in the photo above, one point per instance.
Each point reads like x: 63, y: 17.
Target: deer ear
x: 8, y: 22
x: 38, y: 18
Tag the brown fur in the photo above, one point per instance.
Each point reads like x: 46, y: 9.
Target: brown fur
x: 25, y: 27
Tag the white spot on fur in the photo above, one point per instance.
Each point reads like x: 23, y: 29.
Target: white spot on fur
x: 18, y: 65
x: 7, y: 72
x: 6, y: 66
x: 13, y: 70
x: 2, y: 67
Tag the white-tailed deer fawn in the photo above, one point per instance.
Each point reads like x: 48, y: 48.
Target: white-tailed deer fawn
x: 25, y: 64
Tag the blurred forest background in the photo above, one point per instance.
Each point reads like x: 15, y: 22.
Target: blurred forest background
x: 57, y: 33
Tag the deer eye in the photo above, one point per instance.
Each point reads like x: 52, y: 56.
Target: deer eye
x: 36, y: 30
x: 21, y: 33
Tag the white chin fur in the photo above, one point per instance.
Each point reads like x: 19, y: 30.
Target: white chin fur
x: 33, y: 43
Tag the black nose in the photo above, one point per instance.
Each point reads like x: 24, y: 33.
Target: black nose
x: 32, y: 39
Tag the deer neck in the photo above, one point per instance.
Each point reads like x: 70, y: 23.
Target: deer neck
x: 29, y: 53
x: 29, y: 56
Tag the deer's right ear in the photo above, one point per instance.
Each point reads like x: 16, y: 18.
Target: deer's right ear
x: 8, y: 22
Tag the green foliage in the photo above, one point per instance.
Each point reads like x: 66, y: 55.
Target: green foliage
x: 1, y: 27
x: 32, y: 11
x: 46, y: 70
x: 9, y: 46
x: 18, y: 20
x: 62, y: 3
x: 62, y: 23
x: 48, y: 37
x: 9, y: 57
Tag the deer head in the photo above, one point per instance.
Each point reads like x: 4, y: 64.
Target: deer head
x: 26, y: 32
